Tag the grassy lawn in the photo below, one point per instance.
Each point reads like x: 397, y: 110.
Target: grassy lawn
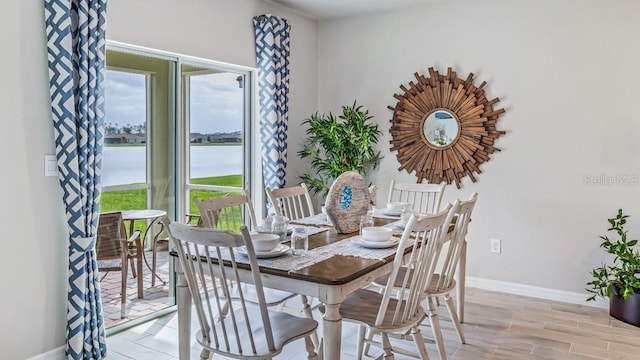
x: 137, y: 199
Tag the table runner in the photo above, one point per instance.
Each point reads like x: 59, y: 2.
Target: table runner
x: 317, y: 220
x: 395, y: 226
x: 290, y: 263
x: 312, y: 230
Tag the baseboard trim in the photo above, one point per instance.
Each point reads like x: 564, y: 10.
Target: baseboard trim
x: 55, y: 354
x: 535, y: 291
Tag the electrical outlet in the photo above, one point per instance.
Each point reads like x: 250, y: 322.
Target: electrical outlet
x: 496, y: 246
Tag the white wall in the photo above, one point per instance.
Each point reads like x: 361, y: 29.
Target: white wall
x: 566, y: 71
x: 33, y: 301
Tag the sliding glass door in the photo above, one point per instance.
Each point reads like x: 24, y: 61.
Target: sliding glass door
x: 216, y: 113
x: 176, y: 127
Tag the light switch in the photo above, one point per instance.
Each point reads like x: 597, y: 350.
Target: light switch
x: 50, y: 165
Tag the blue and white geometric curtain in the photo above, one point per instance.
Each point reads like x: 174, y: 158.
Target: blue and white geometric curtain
x: 272, y: 52
x: 76, y: 55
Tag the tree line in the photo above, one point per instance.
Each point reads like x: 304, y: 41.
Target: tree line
x: 116, y: 129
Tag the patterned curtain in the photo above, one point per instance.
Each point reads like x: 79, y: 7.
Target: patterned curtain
x: 272, y: 52
x: 76, y: 56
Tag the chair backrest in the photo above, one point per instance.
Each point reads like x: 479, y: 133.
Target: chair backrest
x: 447, y: 267
x: 211, y: 283
x: 293, y: 202
x: 227, y: 212
x: 425, y: 198
x: 427, y: 232
x: 110, y: 236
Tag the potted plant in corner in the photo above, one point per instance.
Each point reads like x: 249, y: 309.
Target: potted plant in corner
x: 339, y: 144
x: 620, y: 282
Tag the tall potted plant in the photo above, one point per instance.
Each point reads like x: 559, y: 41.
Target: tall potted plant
x: 620, y: 282
x: 339, y: 144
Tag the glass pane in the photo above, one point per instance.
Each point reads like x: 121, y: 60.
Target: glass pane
x: 215, y: 112
x: 138, y: 163
x: 124, y: 159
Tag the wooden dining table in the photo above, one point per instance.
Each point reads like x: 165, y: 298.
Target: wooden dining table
x: 330, y: 280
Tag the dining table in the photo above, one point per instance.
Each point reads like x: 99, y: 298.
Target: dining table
x: 334, y: 267
x: 151, y: 217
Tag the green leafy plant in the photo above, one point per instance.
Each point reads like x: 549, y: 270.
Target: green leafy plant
x: 620, y: 278
x: 339, y: 144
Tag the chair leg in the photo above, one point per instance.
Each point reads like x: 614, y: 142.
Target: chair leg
x: 454, y: 317
x: 154, y: 257
x: 225, y: 310
x: 361, y: 332
x: 420, y: 345
x: 308, y: 313
x: 435, y: 326
x: 367, y: 345
x: 133, y: 268
x: 205, y: 354
x: 310, y: 347
x: 386, y: 347
x: 320, y: 350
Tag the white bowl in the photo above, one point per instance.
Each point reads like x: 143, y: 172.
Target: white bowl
x: 265, y: 242
x: 396, y: 206
x: 376, y: 233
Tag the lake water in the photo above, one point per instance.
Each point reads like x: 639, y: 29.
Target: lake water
x: 126, y: 164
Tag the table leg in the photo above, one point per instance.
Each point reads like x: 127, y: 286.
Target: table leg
x: 183, y: 299
x: 332, y: 331
x: 149, y: 231
x: 462, y: 273
x: 139, y: 257
x: 154, y: 257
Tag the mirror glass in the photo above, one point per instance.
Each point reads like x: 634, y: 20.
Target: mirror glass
x: 441, y: 128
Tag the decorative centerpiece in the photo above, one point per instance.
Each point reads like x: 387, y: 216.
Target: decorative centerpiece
x: 347, y: 200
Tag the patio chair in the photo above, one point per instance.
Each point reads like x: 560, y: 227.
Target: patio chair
x: 114, y: 251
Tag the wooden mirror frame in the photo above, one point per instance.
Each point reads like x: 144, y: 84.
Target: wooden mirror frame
x: 476, y: 127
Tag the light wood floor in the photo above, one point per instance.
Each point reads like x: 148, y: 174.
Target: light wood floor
x: 497, y: 326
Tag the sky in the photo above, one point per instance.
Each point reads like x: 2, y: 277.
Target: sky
x: 216, y: 101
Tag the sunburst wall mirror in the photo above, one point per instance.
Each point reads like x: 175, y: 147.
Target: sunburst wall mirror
x: 443, y: 127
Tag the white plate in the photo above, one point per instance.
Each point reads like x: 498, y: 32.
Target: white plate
x: 277, y: 251
x: 390, y: 212
x: 268, y: 231
x: 376, y: 244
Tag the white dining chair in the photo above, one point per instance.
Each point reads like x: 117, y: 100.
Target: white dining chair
x: 226, y: 213
x: 248, y: 331
x: 443, y: 284
x: 293, y: 202
x: 425, y: 198
x: 397, y: 310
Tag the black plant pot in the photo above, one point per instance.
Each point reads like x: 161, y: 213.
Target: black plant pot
x: 625, y: 310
